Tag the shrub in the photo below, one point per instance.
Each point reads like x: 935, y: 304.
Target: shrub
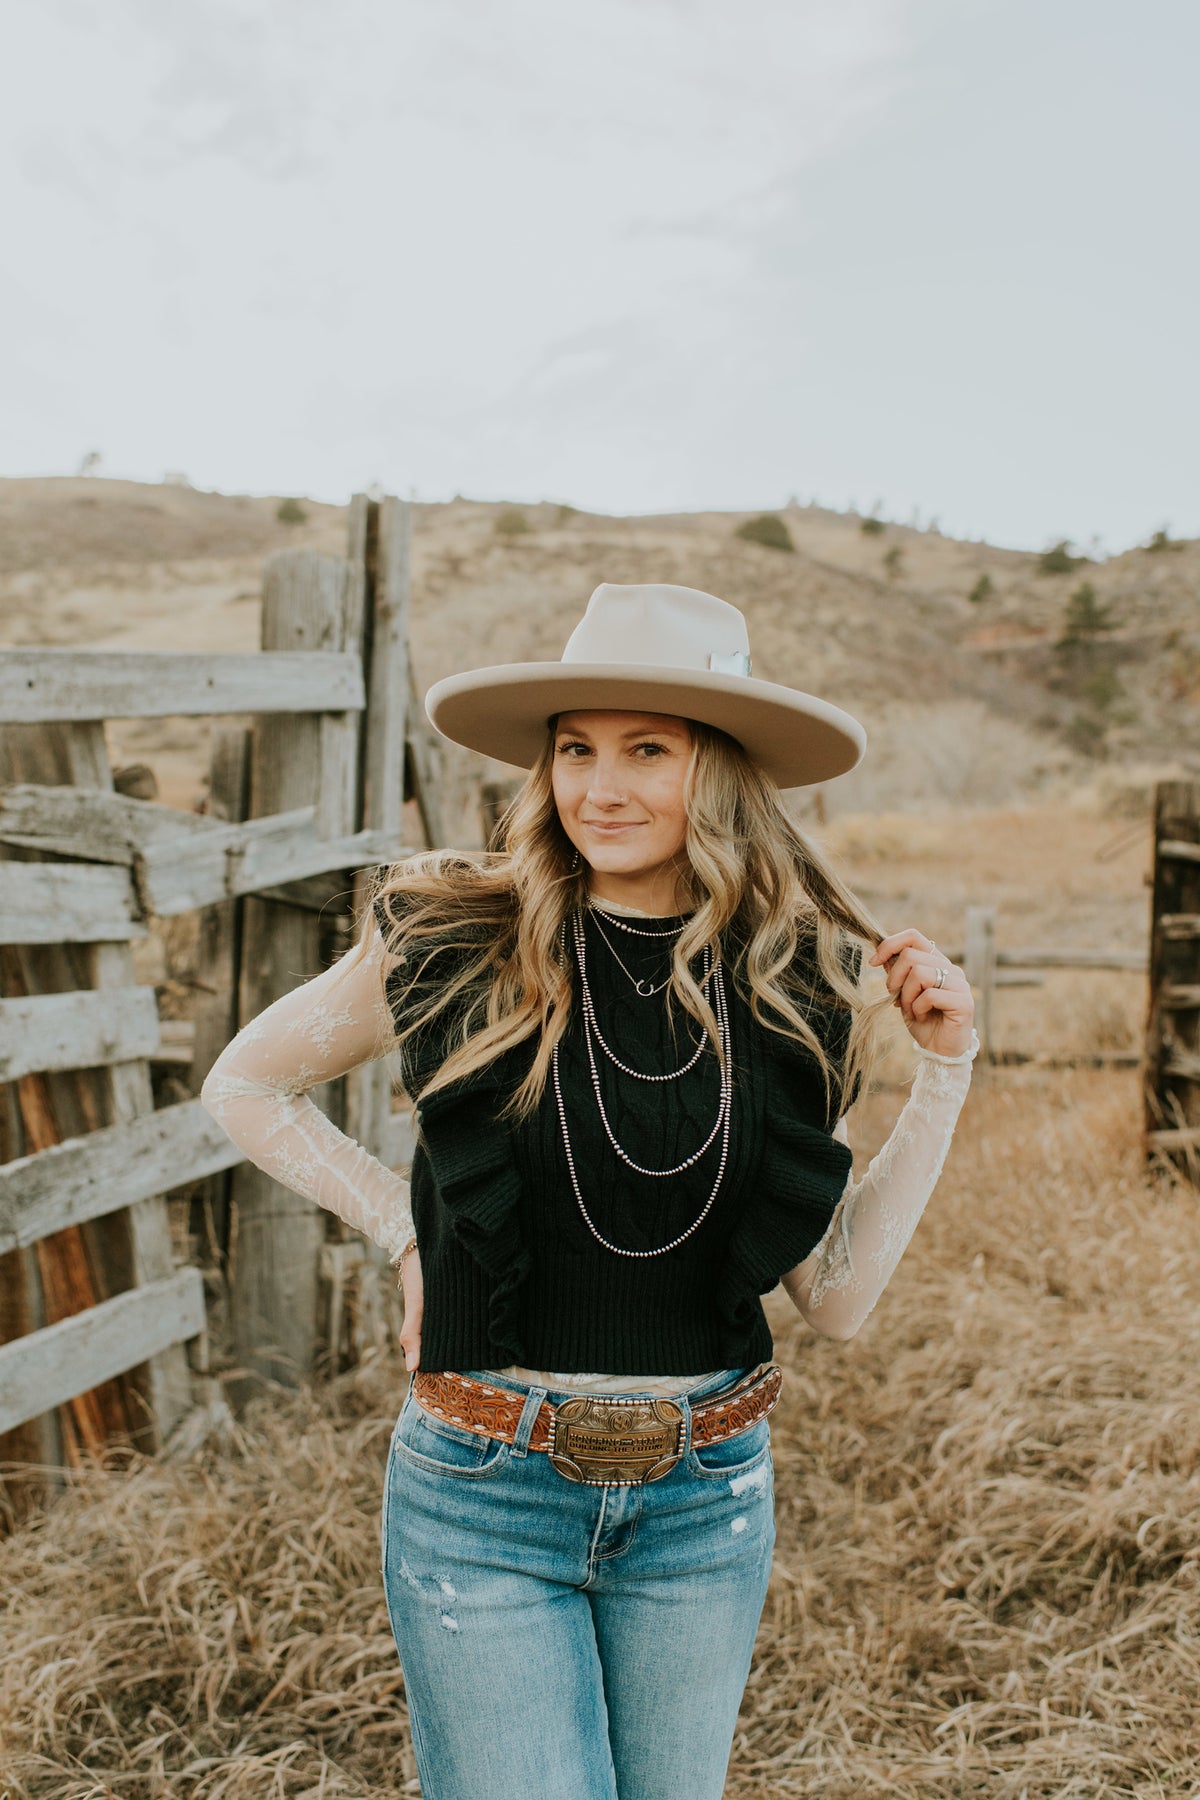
x: 1102, y: 689
x: 893, y: 561
x: 1059, y: 560
x: 1085, y: 617
x: 872, y: 527
x: 512, y: 523
x: 767, y: 529
x: 1161, y: 541
x: 290, y: 512
x: 984, y: 588
x: 1086, y: 734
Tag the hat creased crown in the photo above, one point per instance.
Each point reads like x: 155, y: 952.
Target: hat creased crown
x: 662, y: 626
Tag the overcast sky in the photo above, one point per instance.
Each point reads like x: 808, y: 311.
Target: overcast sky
x: 634, y: 254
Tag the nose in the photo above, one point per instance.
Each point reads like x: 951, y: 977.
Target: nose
x: 604, y: 789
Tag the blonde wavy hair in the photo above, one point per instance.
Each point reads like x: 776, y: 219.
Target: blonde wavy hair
x: 747, y: 865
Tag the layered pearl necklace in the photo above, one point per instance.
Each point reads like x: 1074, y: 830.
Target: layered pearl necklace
x: 713, y: 972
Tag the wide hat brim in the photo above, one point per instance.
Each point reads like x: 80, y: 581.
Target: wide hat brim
x: 505, y: 712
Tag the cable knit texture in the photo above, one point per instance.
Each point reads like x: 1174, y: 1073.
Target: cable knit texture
x: 512, y: 1274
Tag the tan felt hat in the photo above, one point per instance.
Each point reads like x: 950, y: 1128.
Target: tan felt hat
x: 651, y: 647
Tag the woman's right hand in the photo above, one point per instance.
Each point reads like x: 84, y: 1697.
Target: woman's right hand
x: 413, y: 1289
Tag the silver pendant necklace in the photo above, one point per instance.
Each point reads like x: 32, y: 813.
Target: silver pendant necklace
x: 645, y: 988
x: 592, y: 1027
x: 725, y: 1114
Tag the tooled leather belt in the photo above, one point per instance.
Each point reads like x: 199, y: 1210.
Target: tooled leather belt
x: 596, y: 1440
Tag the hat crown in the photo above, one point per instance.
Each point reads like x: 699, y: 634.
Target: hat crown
x: 658, y: 625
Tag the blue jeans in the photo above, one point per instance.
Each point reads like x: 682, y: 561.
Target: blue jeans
x: 567, y: 1642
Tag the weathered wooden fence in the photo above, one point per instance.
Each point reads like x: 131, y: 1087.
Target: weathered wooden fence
x: 95, y: 1312
x: 988, y: 967
x: 1172, y: 1070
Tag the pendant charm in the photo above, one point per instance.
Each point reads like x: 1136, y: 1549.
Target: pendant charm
x: 645, y: 989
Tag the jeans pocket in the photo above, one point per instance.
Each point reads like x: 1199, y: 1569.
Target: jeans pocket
x: 434, y: 1444
x: 732, y: 1456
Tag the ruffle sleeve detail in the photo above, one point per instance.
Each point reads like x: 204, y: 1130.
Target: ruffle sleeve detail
x: 801, y: 1177
x: 471, y: 1160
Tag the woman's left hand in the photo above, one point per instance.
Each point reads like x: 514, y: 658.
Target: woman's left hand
x: 939, y: 1018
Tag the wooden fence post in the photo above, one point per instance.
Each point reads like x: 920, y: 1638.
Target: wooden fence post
x: 215, y: 1015
x: 1171, y: 1081
x: 298, y: 760
x: 125, y: 1248
x: 979, y: 966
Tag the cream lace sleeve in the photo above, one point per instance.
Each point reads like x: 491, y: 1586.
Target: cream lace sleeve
x: 258, y: 1091
x: 837, y: 1286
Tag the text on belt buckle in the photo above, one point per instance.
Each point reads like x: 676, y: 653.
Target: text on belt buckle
x: 615, y: 1442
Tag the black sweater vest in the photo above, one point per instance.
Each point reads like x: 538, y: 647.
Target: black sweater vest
x: 512, y: 1273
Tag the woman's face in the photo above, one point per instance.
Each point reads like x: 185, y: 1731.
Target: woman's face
x: 618, y: 780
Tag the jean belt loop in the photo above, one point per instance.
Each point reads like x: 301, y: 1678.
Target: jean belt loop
x: 684, y: 1401
x: 525, y: 1424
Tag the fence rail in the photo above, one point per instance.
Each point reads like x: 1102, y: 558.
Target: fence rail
x: 60, y: 1361
x: 83, y: 1030
x: 117, y: 1165
x: 51, y: 686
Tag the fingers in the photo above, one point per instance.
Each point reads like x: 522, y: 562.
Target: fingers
x: 909, y: 938
x: 414, y: 1309
x: 911, y: 962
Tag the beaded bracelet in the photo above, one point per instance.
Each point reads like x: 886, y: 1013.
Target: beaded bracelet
x: 407, y: 1251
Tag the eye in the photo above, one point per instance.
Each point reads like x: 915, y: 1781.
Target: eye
x: 569, y: 744
x: 656, y: 749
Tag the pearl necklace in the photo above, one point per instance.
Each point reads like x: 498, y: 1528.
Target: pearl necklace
x: 724, y: 1117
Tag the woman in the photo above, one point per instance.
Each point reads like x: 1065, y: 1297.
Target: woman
x: 632, y: 1034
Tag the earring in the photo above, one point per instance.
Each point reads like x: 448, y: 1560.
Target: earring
x: 575, y: 860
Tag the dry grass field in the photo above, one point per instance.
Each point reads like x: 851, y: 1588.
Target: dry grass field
x: 988, y: 1574
x: 988, y: 1565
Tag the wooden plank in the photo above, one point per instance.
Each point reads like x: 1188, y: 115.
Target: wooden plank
x: 1176, y: 1139
x: 1080, y: 1059
x: 423, y: 764
x: 54, y: 685
x: 380, y: 534
x: 979, y: 966
x: 197, y: 863
x: 67, y: 903
x: 275, y: 1260
x: 53, y: 1365
x: 243, y: 859
x: 80, y: 1265
x: 1180, y: 925
x: 89, y: 1176
x: 389, y: 676
x: 399, y: 1140
x: 218, y: 953
x: 1057, y: 958
x: 90, y: 825
x: 80, y: 1030
x: 1171, y: 1084
x: 59, y: 1266
x: 1178, y: 996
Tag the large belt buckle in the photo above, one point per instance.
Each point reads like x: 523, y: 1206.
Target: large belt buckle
x: 619, y: 1443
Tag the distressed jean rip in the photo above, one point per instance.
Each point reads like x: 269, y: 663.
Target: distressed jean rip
x: 443, y: 1600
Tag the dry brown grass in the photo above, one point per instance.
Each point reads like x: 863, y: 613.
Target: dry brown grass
x: 987, y: 1580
